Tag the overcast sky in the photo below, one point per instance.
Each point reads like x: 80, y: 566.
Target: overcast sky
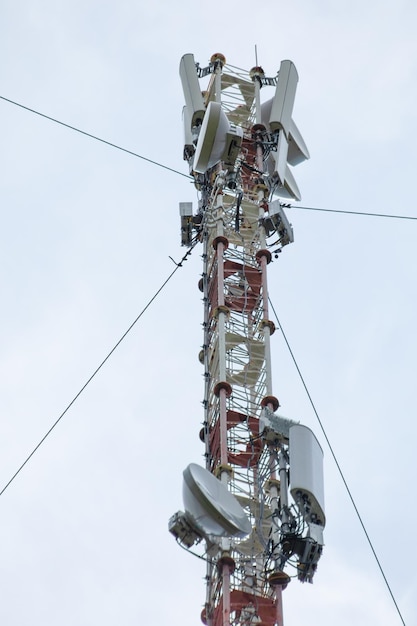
x: 85, y: 240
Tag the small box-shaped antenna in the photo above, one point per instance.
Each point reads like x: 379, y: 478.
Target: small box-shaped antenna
x: 186, y: 215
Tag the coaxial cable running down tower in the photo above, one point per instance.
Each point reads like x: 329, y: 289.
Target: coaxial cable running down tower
x: 256, y: 525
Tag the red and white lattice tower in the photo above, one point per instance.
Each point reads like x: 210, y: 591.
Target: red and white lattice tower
x: 239, y: 152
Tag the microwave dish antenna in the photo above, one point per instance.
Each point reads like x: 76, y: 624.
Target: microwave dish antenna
x: 211, y: 507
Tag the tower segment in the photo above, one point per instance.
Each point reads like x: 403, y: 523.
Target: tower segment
x: 239, y: 152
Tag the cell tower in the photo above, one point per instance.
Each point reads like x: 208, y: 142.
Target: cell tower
x: 256, y: 524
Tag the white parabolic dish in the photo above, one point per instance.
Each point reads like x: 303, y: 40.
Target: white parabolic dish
x: 211, y: 506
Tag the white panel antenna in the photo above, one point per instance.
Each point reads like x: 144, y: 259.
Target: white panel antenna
x: 297, y: 149
x: 281, y: 156
x: 219, y: 140
x: 189, y: 147
x: 306, y: 474
x: 290, y: 188
x: 283, y: 100
x: 283, y: 188
x: 192, y: 91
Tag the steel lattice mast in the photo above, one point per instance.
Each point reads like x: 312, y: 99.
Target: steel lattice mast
x: 238, y: 152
